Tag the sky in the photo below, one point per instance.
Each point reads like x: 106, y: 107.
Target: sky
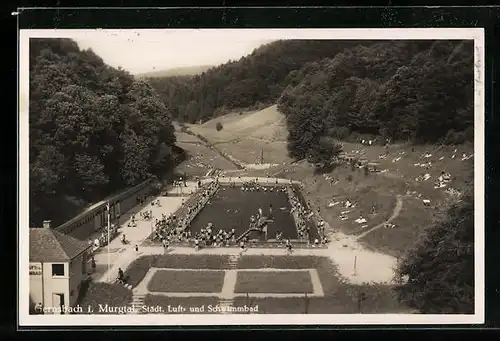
x: 147, y: 50
x: 145, y: 53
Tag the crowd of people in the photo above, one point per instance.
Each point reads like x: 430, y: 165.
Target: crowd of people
x: 209, y: 236
x: 175, y: 229
x: 255, y: 186
x: 303, y: 214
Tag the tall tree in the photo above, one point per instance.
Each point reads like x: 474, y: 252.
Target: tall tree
x: 94, y: 130
x: 439, y: 270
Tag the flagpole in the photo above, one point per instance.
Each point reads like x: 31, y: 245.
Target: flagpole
x: 109, y: 226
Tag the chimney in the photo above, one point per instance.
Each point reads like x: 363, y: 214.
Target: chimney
x: 46, y: 224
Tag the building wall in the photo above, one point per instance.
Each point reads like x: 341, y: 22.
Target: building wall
x: 77, y: 273
x: 44, y: 285
x: 36, y: 292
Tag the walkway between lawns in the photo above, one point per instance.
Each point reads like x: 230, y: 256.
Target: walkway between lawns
x: 229, y: 285
x: 354, y: 263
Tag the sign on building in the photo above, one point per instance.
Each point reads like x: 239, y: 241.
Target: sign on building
x: 35, y: 269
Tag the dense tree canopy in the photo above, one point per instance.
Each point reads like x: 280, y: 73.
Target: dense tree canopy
x: 439, y: 270
x: 394, y: 90
x: 93, y: 129
x: 256, y: 78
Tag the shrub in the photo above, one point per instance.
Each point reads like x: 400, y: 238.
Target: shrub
x: 186, y: 281
x: 469, y: 134
x: 456, y: 137
x: 324, y: 152
x: 353, y: 164
x: 218, y: 126
x: 349, y: 178
x: 94, y: 295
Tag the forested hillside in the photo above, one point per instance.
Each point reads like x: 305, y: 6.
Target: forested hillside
x: 253, y: 79
x: 417, y: 91
x: 103, y: 130
x: 93, y: 130
x: 393, y: 90
x: 175, y: 72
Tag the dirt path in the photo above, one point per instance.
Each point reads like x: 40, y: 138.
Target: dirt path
x: 395, y: 214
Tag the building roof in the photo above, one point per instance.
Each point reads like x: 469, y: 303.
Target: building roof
x: 102, y: 203
x: 48, y: 245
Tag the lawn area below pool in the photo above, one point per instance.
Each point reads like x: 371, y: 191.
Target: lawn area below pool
x: 97, y: 298
x: 139, y: 267
x: 283, y: 282
x: 186, y: 281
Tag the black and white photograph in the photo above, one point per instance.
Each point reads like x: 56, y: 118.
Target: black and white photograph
x: 251, y: 176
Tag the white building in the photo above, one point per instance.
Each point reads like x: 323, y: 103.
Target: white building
x: 58, y: 266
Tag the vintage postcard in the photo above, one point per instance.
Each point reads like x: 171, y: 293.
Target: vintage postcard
x: 251, y: 176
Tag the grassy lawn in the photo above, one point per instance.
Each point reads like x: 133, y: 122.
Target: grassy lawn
x: 273, y: 282
x: 94, y: 295
x: 193, y: 305
x: 200, y: 159
x: 182, y: 137
x: 339, y: 297
x: 250, y: 150
x: 139, y: 267
x: 327, y: 271
x: 246, y: 136
x: 411, y: 222
x: 186, y: 281
x: 382, y: 189
x: 364, y: 191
